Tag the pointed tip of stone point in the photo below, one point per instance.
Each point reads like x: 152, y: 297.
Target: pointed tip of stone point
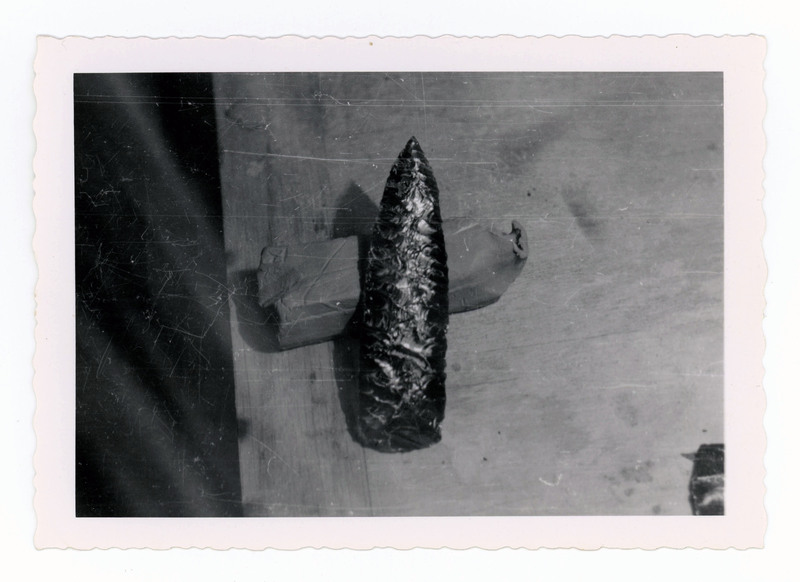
x: 413, y: 150
x: 412, y: 146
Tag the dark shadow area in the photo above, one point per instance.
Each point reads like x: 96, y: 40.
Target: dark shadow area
x: 346, y: 352
x: 356, y: 215
x: 156, y: 429
x: 583, y: 208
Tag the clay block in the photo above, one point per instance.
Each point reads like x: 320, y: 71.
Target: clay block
x: 314, y: 288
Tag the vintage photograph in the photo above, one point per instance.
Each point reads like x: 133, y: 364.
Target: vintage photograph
x: 308, y: 294
x: 401, y: 293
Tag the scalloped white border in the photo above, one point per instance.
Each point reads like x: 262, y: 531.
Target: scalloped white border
x: 740, y: 58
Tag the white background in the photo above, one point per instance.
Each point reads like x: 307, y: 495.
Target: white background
x: 22, y: 21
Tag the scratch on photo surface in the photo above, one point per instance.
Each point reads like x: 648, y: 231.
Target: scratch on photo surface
x: 274, y: 456
x: 549, y: 484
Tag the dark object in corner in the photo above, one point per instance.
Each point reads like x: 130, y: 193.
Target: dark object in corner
x: 707, y: 483
x: 405, y: 313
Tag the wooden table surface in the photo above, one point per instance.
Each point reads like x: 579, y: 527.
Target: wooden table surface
x: 577, y: 392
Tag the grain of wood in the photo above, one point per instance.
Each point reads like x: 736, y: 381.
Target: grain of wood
x: 298, y: 457
x: 602, y: 363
